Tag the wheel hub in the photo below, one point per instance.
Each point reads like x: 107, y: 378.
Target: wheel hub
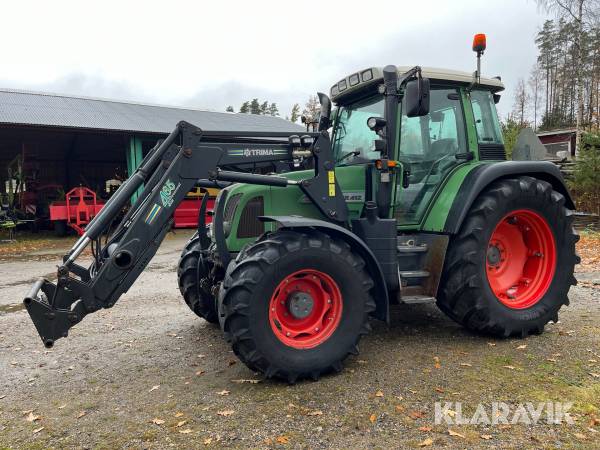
x: 494, y: 255
x: 300, y: 304
x: 521, y: 259
x: 305, y: 309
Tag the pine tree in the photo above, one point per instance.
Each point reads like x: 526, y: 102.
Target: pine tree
x: 254, y: 106
x: 245, y: 108
x: 264, y: 108
x: 229, y: 109
x: 295, y: 114
x: 273, y: 110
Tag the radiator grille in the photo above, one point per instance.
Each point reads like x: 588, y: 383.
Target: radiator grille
x: 230, y: 207
x: 249, y: 225
x: 492, y: 152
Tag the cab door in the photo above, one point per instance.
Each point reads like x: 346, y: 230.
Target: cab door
x: 428, y: 147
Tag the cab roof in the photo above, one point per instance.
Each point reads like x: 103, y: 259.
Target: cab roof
x: 372, y: 76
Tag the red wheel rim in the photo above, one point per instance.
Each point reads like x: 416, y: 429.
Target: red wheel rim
x: 305, y: 309
x: 521, y: 259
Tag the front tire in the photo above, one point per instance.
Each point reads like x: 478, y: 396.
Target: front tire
x: 509, y: 270
x: 294, y: 305
x: 193, y: 278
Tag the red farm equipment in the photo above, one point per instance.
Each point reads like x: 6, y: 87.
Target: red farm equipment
x: 76, y: 211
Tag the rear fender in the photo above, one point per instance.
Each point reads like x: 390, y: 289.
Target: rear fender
x: 380, y: 292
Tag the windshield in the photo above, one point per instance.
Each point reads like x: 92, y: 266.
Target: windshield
x: 353, y: 141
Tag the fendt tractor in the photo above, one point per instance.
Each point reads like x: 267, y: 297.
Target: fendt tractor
x: 406, y: 197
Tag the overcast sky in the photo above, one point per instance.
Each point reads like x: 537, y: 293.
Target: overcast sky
x: 212, y: 54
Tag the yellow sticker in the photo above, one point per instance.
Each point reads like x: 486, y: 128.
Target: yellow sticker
x: 332, y: 190
x: 331, y: 175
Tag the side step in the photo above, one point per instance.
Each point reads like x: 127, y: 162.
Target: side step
x: 414, y: 274
x: 417, y: 299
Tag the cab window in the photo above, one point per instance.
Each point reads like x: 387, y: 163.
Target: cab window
x: 486, y: 118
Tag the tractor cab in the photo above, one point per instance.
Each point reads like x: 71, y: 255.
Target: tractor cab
x: 461, y: 125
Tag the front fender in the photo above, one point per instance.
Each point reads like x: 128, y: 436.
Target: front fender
x: 379, y: 289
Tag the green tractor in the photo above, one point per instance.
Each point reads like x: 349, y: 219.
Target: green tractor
x: 406, y: 198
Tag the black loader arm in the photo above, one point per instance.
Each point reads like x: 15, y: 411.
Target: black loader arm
x: 186, y: 158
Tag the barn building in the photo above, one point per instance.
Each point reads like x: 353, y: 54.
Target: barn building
x: 56, y: 142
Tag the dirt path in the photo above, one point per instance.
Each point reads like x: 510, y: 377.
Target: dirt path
x: 149, y: 358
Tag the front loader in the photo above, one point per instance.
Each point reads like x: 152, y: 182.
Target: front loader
x: 409, y: 199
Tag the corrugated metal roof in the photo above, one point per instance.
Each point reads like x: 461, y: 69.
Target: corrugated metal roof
x: 46, y: 109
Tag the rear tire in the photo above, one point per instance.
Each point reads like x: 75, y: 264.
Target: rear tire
x: 193, y: 280
x: 259, y: 314
x: 517, y: 229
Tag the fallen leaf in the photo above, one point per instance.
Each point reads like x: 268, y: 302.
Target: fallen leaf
x: 283, y: 439
x: 417, y: 414
x: 466, y: 364
x: 379, y: 394
x: 454, y: 433
x: 439, y: 389
x: 487, y: 437
x: 425, y: 429
x: 372, y: 418
x: 225, y: 413
x: 551, y: 360
x: 451, y: 413
x: 207, y: 441
x: 246, y: 381
x: 437, y: 364
x: 509, y: 367
x: 32, y: 417
x: 580, y: 436
x: 27, y: 412
x: 399, y: 408
x: 37, y: 430
x: 522, y: 347
x: 200, y: 372
x: 186, y: 431
x: 426, y: 443
x: 155, y: 387
x: 223, y: 392
x: 491, y: 344
x: 595, y: 375
x: 181, y: 423
x: 178, y: 414
x: 81, y: 414
x: 62, y: 406
x: 158, y: 421
x: 316, y: 412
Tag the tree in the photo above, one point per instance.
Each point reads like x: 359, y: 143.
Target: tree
x: 245, y: 108
x: 295, y: 114
x: 254, y: 106
x: 535, y: 82
x: 264, y: 108
x: 273, y: 110
x: 586, y: 178
x: 510, y: 132
x: 229, y: 109
x: 521, y: 103
x: 579, y: 11
x: 311, y: 109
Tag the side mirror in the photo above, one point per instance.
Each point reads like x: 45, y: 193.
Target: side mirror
x: 416, y: 96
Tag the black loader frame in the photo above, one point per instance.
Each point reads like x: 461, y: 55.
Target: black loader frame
x: 188, y: 157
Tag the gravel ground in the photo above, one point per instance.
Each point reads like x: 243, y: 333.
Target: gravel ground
x: 150, y: 374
